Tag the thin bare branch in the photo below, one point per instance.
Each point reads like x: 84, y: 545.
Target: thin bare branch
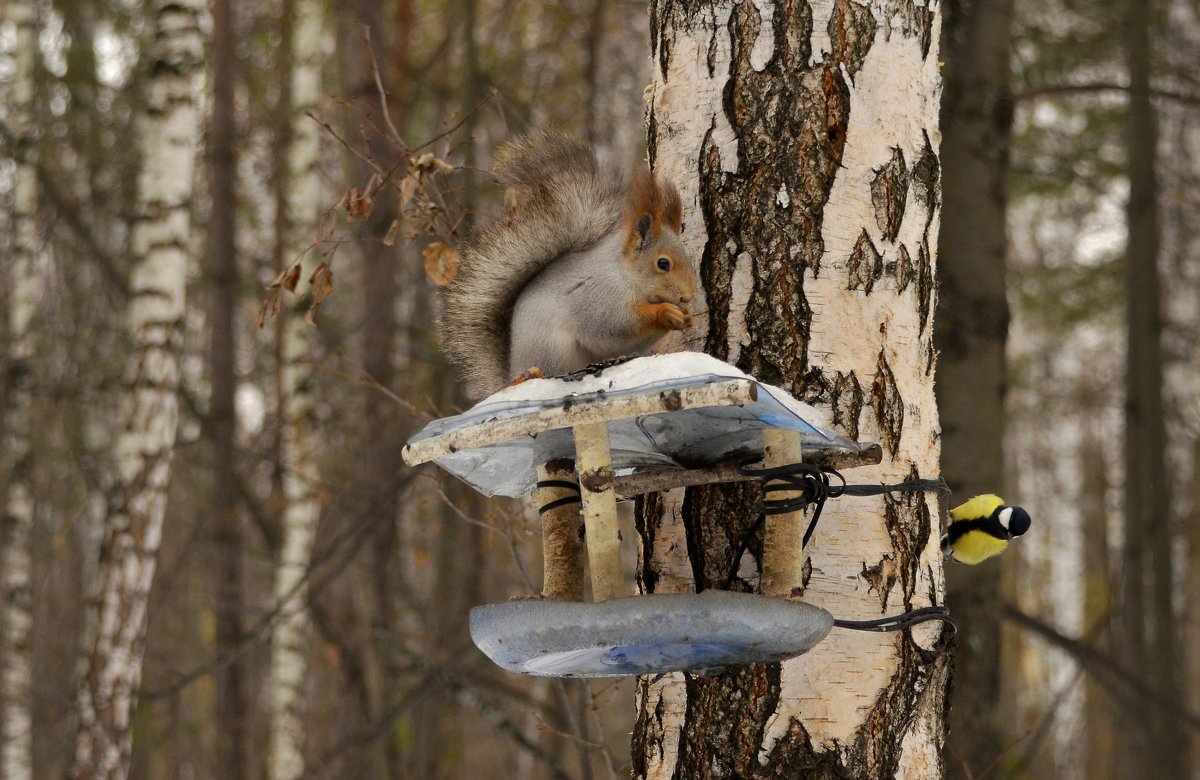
x: 383, y: 101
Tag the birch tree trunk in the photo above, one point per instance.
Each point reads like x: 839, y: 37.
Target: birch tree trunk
x: 971, y: 330
x: 161, y: 242
x: 292, y: 631
x: 16, y: 608
x: 803, y: 137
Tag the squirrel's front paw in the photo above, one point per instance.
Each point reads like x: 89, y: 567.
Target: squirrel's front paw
x: 667, y: 316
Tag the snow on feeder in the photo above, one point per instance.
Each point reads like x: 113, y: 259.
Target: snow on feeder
x: 621, y: 430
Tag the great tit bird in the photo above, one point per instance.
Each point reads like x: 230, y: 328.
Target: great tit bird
x: 982, y: 527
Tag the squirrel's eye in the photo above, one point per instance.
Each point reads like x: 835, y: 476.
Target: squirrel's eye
x: 664, y: 264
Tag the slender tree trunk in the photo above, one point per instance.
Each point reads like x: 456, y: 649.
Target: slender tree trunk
x: 381, y: 434
x: 1101, y: 723
x: 292, y: 631
x: 970, y: 334
x: 803, y: 138
x: 223, y: 273
x: 591, y: 72
x: 161, y: 242
x: 1146, y: 612
x: 1192, y: 600
x: 16, y: 527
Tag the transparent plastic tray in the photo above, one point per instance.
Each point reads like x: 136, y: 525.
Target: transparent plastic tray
x: 685, y: 439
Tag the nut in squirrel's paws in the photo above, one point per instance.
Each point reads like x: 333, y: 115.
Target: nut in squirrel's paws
x: 667, y: 316
x: 533, y: 372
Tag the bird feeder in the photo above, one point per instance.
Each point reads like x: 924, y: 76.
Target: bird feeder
x: 617, y: 431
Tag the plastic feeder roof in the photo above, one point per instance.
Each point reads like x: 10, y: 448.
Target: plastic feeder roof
x: 652, y: 634
x: 683, y: 410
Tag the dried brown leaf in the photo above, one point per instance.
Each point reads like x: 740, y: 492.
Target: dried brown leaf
x: 408, y: 188
x: 321, y: 281
x: 430, y: 163
x: 392, y: 233
x: 287, y: 278
x: 441, y: 262
x: 271, y: 306
x: 358, y: 206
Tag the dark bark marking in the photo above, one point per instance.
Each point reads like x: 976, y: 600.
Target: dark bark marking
x: 720, y: 252
x: 916, y: 21
x: 847, y: 402
x: 927, y: 180
x: 725, y: 721
x: 648, y: 515
x: 733, y: 508
x: 888, y: 405
x: 795, y: 757
x: 852, y: 31
x: 865, y: 266
x: 818, y: 388
x: 889, y: 191
x: 905, y: 271
x: 909, y: 524
x: 878, y: 749
x: 924, y: 285
x: 647, y: 730
x: 772, y: 110
x: 880, y: 579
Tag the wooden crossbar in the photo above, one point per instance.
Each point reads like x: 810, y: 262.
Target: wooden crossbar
x: 572, y: 412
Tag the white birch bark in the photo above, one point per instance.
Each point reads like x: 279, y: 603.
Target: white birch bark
x: 24, y: 289
x: 161, y: 244
x: 845, y: 263
x: 292, y: 630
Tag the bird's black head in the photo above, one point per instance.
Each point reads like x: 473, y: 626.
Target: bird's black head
x: 1015, y: 520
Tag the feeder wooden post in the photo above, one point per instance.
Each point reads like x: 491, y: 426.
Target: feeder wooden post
x: 562, y: 535
x: 594, y: 461
x: 783, y: 535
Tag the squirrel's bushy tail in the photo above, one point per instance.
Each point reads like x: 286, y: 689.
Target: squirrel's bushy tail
x: 565, y: 201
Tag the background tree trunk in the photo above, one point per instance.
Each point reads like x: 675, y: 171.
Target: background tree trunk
x: 231, y: 706
x: 970, y: 334
x: 161, y: 244
x: 291, y: 636
x: 1146, y: 613
x: 23, y: 288
x: 1100, y: 716
x: 803, y: 138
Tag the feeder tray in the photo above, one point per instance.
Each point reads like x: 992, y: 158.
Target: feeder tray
x: 644, y: 425
x: 655, y: 634
x: 673, y: 420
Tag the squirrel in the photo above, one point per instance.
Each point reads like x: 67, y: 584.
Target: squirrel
x: 585, y: 266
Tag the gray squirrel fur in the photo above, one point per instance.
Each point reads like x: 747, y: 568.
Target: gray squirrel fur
x: 559, y: 281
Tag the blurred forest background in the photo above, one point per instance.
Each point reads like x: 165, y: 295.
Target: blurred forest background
x: 308, y: 615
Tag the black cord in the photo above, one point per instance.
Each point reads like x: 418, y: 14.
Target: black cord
x: 901, y: 621
x: 812, y: 482
x: 559, y: 483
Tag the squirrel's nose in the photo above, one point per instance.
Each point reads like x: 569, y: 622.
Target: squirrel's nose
x: 685, y: 298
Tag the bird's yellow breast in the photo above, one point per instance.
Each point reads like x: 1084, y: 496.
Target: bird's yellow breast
x: 979, y: 506
x: 975, y: 546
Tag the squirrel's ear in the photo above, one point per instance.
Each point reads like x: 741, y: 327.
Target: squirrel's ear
x: 643, y: 231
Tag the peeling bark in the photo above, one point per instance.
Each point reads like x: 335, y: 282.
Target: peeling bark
x: 802, y: 137
x: 161, y: 242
